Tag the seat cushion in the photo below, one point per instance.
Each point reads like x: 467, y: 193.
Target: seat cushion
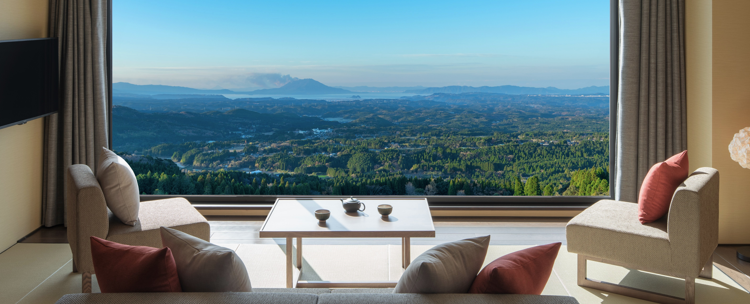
x: 611, y: 230
x: 190, y: 298
x: 205, y: 267
x: 176, y: 213
x: 413, y: 298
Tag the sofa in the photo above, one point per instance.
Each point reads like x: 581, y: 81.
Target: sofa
x: 311, y: 296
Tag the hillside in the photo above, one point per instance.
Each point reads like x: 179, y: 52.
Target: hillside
x: 513, y: 90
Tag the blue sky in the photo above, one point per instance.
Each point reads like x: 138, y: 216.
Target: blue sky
x: 249, y: 44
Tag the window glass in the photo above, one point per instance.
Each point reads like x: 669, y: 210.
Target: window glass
x: 498, y: 98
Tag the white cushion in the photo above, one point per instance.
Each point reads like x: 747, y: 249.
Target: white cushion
x: 119, y: 186
x: 446, y: 268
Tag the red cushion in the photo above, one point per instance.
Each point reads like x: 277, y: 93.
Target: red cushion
x: 659, y: 186
x: 521, y: 272
x: 124, y: 268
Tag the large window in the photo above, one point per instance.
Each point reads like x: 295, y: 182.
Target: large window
x: 482, y: 98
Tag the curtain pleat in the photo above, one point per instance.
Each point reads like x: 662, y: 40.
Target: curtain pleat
x: 651, y: 109
x: 77, y: 132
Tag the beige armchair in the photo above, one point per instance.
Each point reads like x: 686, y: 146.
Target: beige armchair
x: 681, y: 244
x: 87, y: 215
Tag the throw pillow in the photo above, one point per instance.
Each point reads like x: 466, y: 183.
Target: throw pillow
x: 119, y: 186
x: 659, y: 186
x: 205, y: 267
x: 522, y: 272
x: 124, y: 268
x: 446, y: 268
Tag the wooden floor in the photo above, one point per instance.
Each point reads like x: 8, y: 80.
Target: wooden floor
x: 503, y: 231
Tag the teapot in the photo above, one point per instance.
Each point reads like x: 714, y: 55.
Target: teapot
x: 352, y: 204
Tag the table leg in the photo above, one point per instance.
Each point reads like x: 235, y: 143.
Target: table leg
x: 299, y: 253
x: 407, y: 252
x: 289, y: 253
x: 403, y: 247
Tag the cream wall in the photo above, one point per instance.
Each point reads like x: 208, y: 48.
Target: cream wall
x: 718, y: 36
x: 21, y: 146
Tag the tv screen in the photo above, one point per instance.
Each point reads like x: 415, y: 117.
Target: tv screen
x: 28, y: 80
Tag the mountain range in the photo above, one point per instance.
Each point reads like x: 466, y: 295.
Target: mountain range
x: 313, y: 87
x: 513, y: 90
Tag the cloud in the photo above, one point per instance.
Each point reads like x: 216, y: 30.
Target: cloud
x: 264, y: 80
x: 449, y: 55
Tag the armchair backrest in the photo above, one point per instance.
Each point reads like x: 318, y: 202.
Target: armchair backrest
x: 86, y: 214
x: 693, y: 221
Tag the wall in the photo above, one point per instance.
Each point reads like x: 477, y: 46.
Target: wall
x: 719, y: 103
x: 21, y: 146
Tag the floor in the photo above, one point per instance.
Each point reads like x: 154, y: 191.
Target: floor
x: 508, y: 234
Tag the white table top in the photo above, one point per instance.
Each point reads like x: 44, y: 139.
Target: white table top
x: 296, y: 218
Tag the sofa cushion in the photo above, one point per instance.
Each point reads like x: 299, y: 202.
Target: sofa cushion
x: 124, y: 268
x: 174, y: 213
x: 119, y: 186
x: 659, y: 185
x: 446, y: 268
x: 522, y: 272
x: 610, y: 230
x: 190, y: 298
x: 205, y: 267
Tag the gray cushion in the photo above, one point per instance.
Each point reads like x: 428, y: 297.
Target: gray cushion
x: 371, y: 298
x: 119, y: 185
x: 190, y: 298
x: 446, y: 268
x: 205, y: 267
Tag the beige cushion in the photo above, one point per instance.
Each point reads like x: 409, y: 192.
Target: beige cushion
x: 119, y: 186
x: 174, y: 213
x: 205, y: 267
x: 611, y: 230
x: 446, y: 268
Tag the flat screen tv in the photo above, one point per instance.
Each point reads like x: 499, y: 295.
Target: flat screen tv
x: 28, y: 80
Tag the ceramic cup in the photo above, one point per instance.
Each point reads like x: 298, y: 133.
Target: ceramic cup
x: 322, y: 214
x: 385, y: 209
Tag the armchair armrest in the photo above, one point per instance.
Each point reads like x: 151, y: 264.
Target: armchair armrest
x: 693, y: 221
x: 86, y: 216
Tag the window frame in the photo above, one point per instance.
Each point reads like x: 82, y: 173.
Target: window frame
x: 459, y: 202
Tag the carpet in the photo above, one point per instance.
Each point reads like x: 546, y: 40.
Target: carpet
x: 41, y: 273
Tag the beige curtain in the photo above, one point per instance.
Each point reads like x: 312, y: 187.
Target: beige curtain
x: 651, y: 111
x: 77, y: 132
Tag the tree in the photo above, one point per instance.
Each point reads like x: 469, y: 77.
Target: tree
x: 549, y: 190
x: 518, y: 187
x: 532, y: 186
x: 452, y: 189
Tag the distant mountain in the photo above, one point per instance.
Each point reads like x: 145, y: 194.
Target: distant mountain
x: 302, y: 87
x: 513, y: 90
x: 154, y: 89
x: 368, y: 89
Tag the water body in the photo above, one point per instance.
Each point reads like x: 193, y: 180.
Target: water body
x: 328, y: 97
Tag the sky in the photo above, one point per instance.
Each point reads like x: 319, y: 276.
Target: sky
x: 243, y: 44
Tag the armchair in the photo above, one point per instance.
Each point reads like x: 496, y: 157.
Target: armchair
x: 681, y: 244
x: 87, y: 215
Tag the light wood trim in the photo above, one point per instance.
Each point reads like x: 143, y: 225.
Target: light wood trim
x: 407, y: 252
x: 289, y: 272
x: 583, y: 281
x: 345, y: 234
x: 333, y: 284
x: 86, y: 282
x: 299, y: 253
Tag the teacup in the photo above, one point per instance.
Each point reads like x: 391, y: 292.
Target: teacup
x: 322, y: 214
x: 385, y: 209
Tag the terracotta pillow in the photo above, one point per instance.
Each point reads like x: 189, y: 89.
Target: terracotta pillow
x: 119, y: 186
x: 659, y: 186
x: 522, y: 272
x: 124, y: 268
x: 205, y: 267
x: 446, y: 268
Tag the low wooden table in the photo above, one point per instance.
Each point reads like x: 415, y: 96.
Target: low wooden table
x: 295, y: 218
